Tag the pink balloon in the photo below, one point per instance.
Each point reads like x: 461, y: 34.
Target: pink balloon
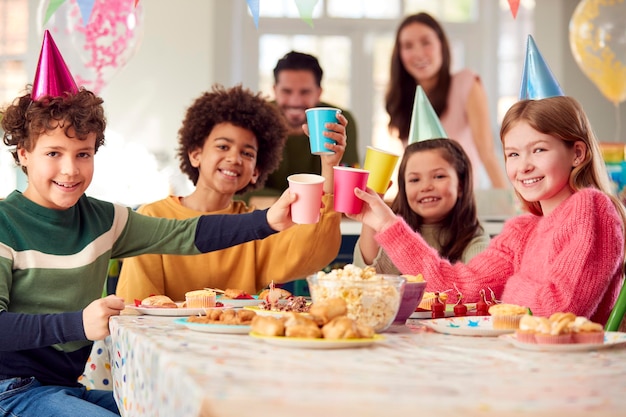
x: 96, y: 52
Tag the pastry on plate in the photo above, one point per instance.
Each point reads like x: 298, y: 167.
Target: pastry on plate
x: 161, y: 301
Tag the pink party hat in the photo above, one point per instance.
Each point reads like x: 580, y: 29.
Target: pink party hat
x: 537, y: 80
x: 52, y: 78
x: 424, y: 121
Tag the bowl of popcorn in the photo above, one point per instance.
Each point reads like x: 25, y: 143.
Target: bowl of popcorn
x: 411, y: 297
x: 372, y: 299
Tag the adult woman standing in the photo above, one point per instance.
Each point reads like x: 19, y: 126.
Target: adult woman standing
x: 421, y: 56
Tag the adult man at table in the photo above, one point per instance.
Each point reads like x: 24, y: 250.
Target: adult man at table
x: 297, y: 87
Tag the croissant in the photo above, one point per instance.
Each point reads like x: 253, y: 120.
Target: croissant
x: 162, y: 301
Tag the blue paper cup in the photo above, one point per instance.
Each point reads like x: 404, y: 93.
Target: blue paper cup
x: 316, y: 119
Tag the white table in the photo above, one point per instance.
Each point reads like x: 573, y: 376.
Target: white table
x: 160, y: 369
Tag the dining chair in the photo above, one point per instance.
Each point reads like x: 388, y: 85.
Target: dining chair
x: 618, y: 312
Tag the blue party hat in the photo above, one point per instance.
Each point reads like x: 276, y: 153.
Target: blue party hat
x: 537, y: 80
x: 424, y: 121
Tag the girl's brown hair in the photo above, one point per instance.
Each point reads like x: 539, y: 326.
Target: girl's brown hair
x: 461, y: 224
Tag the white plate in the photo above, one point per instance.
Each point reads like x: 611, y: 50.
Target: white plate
x: 239, y: 302
x: 449, y: 312
x: 310, y: 343
x: 272, y: 313
x: 610, y: 339
x: 428, y: 314
x: 214, y: 328
x: 172, y: 312
x: 465, y: 326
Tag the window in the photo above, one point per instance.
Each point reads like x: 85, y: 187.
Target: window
x: 353, y: 41
x: 13, y: 50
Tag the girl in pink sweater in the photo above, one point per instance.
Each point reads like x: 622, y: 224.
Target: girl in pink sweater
x: 567, y: 254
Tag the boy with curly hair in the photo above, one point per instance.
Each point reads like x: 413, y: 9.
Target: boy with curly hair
x: 229, y: 142
x: 56, y: 243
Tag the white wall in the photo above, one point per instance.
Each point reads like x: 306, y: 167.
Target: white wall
x: 184, y: 52
x: 187, y: 47
x: 146, y: 101
x: 552, y: 37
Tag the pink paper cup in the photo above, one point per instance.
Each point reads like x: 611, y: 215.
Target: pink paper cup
x: 380, y: 164
x: 316, y: 119
x: 309, y: 189
x: 345, y: 181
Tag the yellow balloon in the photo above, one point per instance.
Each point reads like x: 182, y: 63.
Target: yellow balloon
x: 597, y: 37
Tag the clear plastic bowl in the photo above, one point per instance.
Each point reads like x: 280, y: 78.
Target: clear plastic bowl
x: 373, y: 302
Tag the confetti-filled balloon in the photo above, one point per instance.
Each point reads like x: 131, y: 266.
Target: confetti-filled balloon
x: 597, y: 36
x: 97, y: 51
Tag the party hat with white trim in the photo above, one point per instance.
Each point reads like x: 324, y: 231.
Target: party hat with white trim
x: 424, y: 121
x: 537, y: 80
x: 52, y: 78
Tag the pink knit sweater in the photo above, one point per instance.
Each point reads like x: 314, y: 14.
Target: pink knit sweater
x: 570, y: 260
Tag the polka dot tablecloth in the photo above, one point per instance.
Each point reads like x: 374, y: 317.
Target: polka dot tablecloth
x: 162, y: 369
x: 97, y: 373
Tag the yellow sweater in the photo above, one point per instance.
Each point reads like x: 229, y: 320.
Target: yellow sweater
x: 292, y: 254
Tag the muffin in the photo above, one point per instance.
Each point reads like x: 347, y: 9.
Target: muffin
x: 558, y: 330
x: 528, y: 328
x: 584, y: 330
x: 200, y: 299
x: 429, y: 298
x: 507, y: 316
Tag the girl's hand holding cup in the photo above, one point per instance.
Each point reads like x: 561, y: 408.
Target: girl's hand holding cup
x: 375, y: 213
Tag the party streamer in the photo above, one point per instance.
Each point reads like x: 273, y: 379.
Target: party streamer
x: 52, y: 8
x: 85, y: 6
x: 305, y: 7
x: 254, y: 5
x: 514, y: 5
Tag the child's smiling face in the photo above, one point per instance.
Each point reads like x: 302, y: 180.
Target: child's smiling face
x: 432, y: 185
x: 60, y: 168
x: 227, y: 160
x: 539, y: 165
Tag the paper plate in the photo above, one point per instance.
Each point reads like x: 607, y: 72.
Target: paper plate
x: 214, y: 327
x: 611, y: 339
x: 262, y: 312
x: 310, y: 343
x: 173, y: 312
x: 238, y: 303
x: 466, y: 326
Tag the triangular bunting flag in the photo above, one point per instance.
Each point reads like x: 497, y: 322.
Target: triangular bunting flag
x: 52, y: 8
x: 254, y: 6
x: 305, y: 7
x: 514, y: 6
x: 85, y: 6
